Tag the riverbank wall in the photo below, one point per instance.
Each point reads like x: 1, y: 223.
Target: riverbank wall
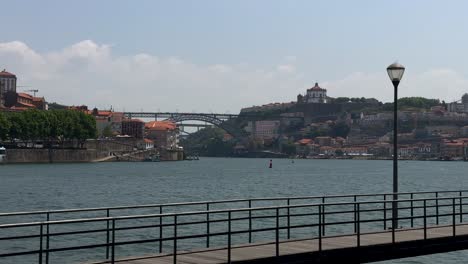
x: 52, y: 155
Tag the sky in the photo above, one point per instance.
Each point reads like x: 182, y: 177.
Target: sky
x: 221, y: 56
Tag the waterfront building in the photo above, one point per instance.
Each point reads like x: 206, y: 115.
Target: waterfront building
x: 24, y: 100
x: 107, y: 120
x: 355, y: 151
x: 133, y: 127
x: 146, y: 144
x: 454, y: 148
x: 164, y: 133
x: 327, y: 151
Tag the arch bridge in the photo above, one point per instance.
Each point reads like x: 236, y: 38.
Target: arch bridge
x: 219, y: 120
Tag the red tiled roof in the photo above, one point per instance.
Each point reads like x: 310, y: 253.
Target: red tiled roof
x: 26, y: 105
x: 26, y: 95
x: 305, y: 141
x: 4, y: 73
x: 160, y: 125
x: 148, y: 140
x: 317, y: 88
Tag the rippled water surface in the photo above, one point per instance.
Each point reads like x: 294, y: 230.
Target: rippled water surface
x: 58, y: 186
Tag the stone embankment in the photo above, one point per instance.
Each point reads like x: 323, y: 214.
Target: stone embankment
x: 93, y: 151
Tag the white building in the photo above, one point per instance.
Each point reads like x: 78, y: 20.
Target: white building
x: 316, y: 94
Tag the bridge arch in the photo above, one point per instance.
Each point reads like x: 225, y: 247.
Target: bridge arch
x: 211, y: 119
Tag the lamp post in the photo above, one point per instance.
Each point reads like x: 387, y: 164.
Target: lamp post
x: 395, y: 72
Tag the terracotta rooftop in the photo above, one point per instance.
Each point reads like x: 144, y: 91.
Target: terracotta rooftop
x: 4, y: 73
x: 160, y: 125
x: 305, y: 141
x: 25, y: 95
x: 316, y: 88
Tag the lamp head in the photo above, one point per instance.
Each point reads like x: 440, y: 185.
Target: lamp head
x: 395, y: 72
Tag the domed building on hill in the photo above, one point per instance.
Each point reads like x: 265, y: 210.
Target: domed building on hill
x: 315, y: 94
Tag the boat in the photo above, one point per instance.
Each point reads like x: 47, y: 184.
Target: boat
x: 2, y: 155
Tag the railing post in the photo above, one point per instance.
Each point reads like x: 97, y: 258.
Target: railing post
x: 229, y: 237
x: 425, y: 221
x: 174, y: 257
x: 355, y: 216
x: 461, y: 208
x: 250, y: 221
x: 393, y: 223
x: 277, y: 232
x: 437, y: 208
x: 41, y: 232
x: 358, y: 223
x: 412, y: 210
x: 207, y: 225
x: 385, y: 212
x: 323, y: 216
x: 289, y: 220
x: 453, y: 216
x: 47, y: 238
x: 113, y: 242
x: 160, y: 230
x: 107, y: 234
x: 320, y: 227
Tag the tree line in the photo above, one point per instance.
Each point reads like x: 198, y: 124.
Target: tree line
x: 48, y: 126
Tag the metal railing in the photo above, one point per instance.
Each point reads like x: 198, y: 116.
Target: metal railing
x: 63, y: 214
x: 169, y: 232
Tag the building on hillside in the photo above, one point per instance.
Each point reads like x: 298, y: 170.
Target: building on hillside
x: 108, y: 123
x: 24, y: 100
x: 7, y: 83
x: 323, y: 141
x: 164, y: 133
x: 133, y: 127
x: 264, y: 129
x: 40, y: 103
x: 315, y: 94
x: 461, y: 107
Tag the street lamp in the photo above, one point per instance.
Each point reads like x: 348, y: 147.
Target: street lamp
x: 395, y: 72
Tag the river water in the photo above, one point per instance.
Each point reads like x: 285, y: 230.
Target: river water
x: 60, y: 186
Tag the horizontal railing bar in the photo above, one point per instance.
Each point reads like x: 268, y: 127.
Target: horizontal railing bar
x: 85, y: 220
x: 218, y: 202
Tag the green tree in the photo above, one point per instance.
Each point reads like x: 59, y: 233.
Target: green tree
x: 107, y: 132
x: 288, y: 148
x: 5, y: 125
x: 340, y: 129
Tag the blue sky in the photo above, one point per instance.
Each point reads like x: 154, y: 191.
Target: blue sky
x: 265, y: 50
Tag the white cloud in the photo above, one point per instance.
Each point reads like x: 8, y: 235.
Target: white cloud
x: 89, y: 73
x: 286, y: 68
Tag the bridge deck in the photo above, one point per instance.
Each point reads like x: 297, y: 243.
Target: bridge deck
x: 265, y: 251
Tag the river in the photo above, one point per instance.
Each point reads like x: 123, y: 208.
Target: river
x: 59, y: 186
